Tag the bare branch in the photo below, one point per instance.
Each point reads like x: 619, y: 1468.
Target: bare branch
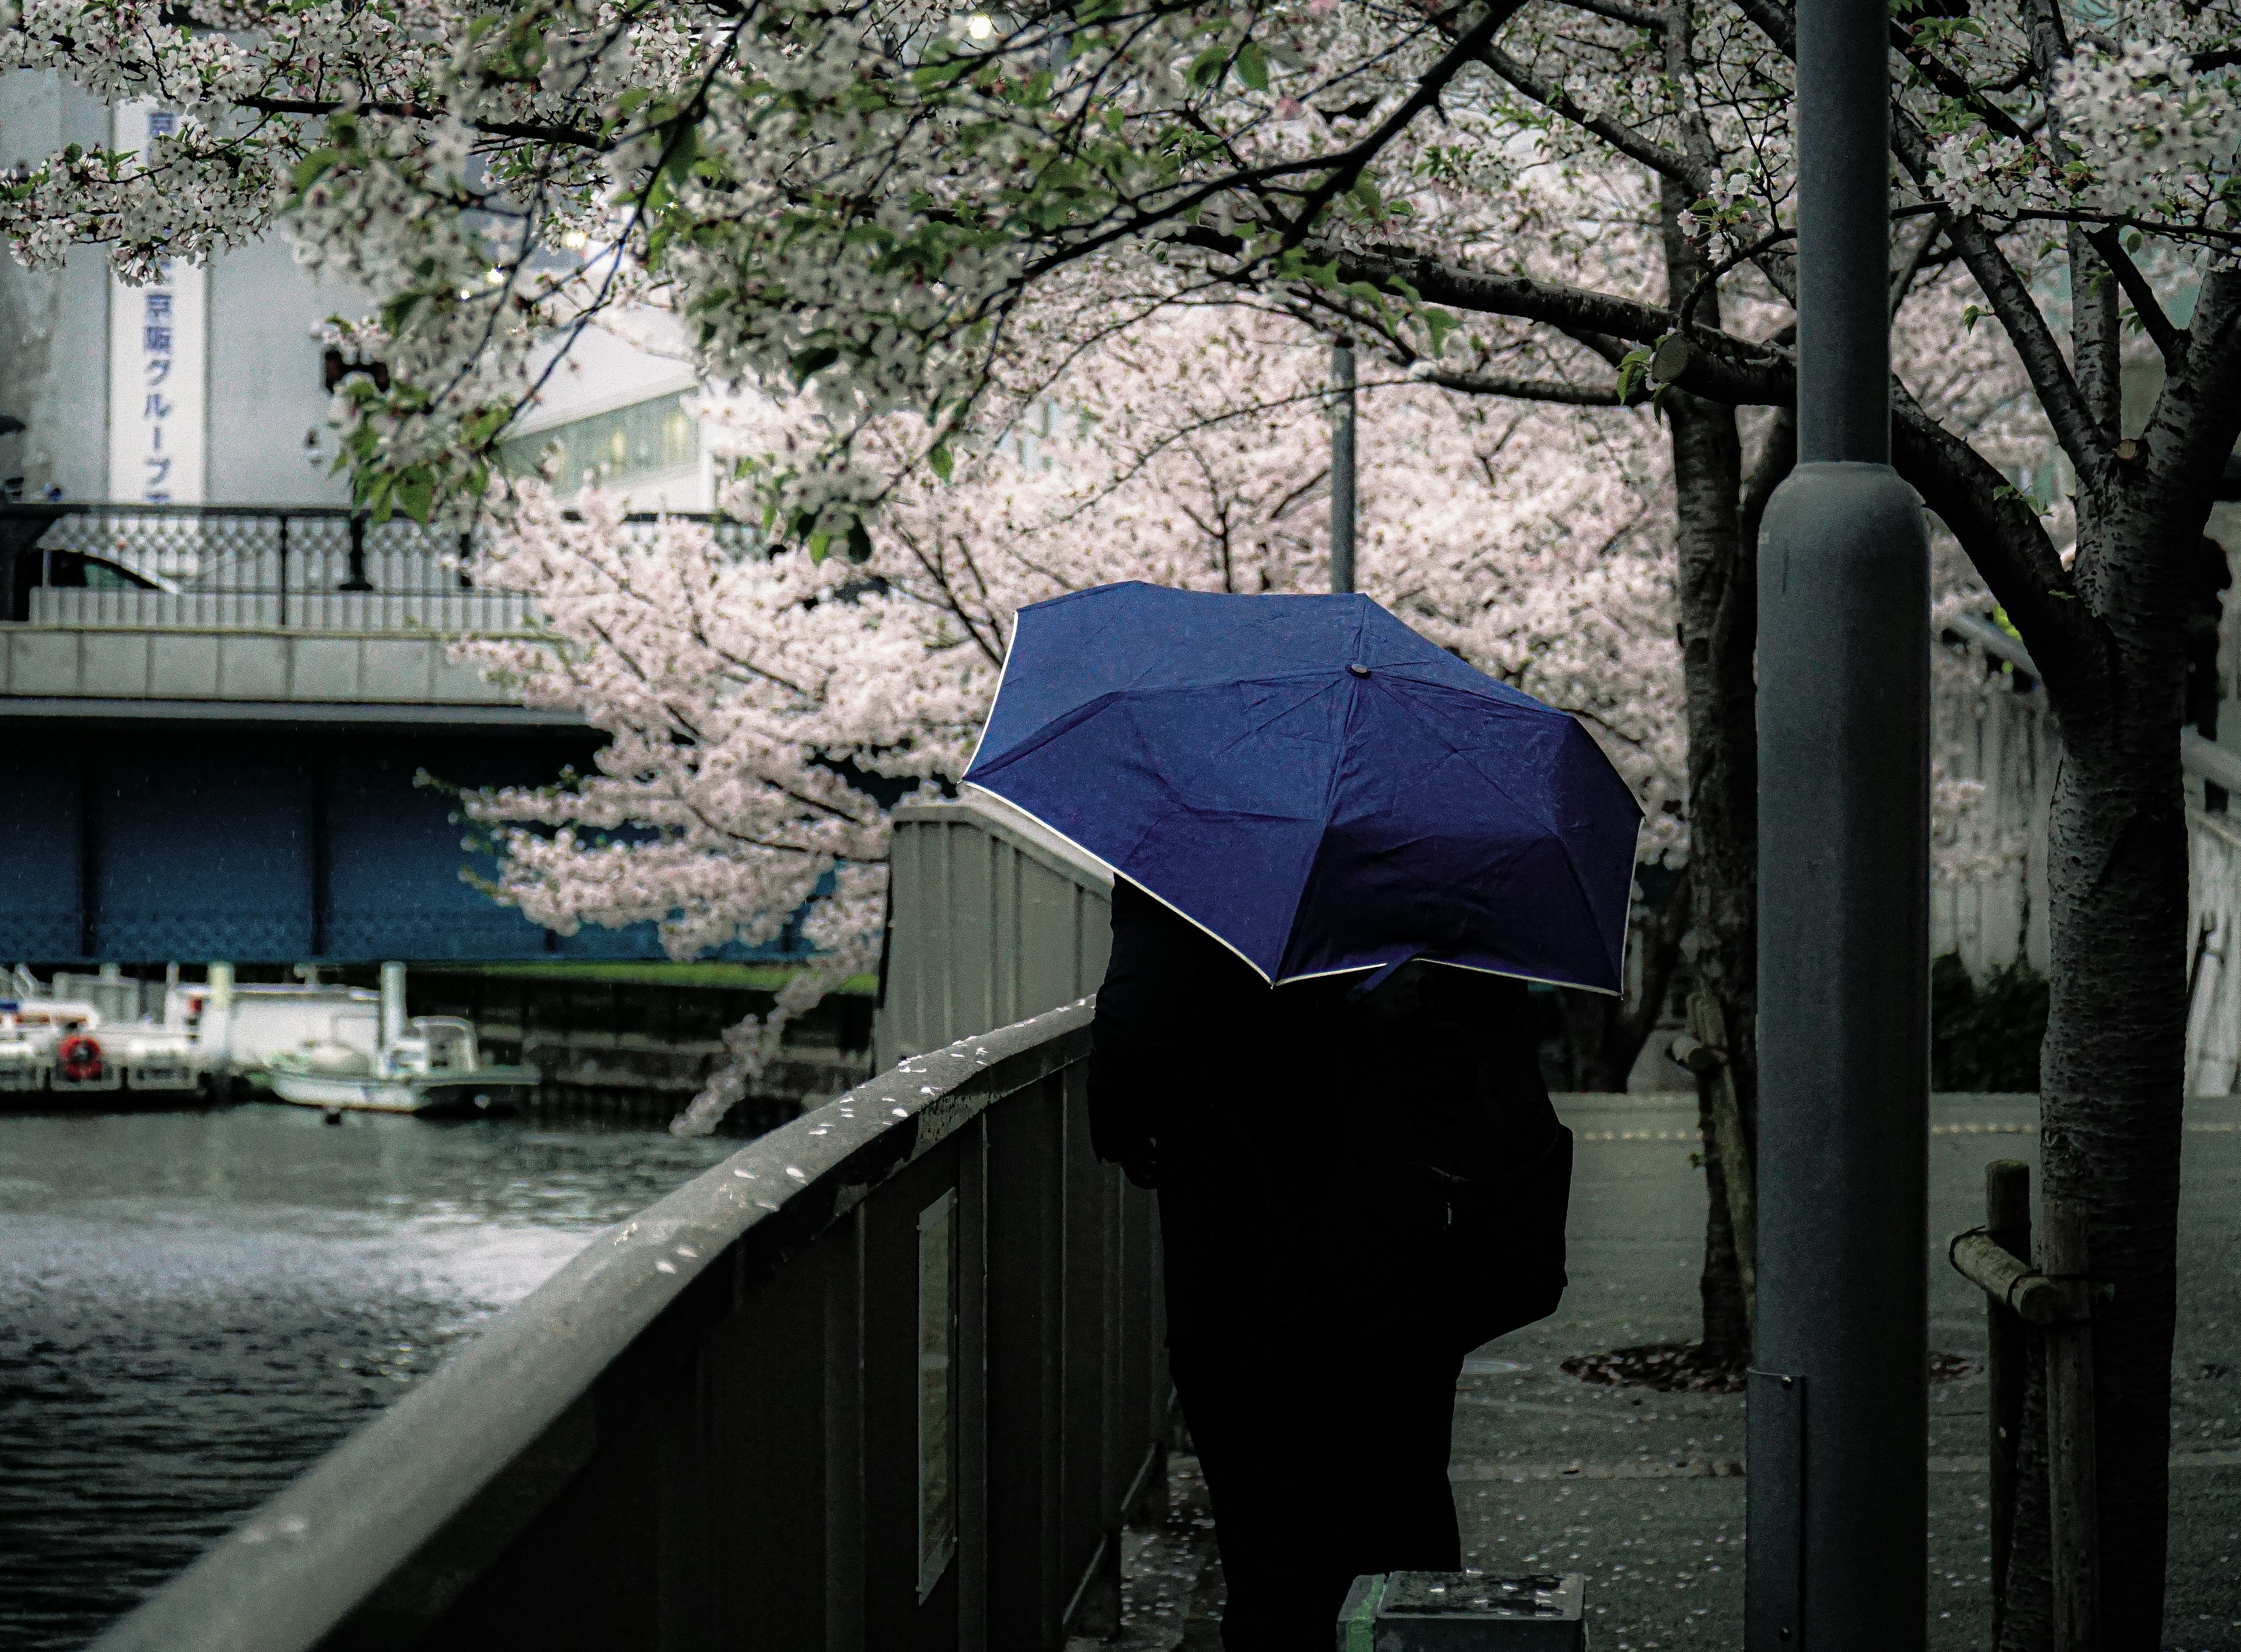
x: 2167, y: 339
x: 1348, y: 164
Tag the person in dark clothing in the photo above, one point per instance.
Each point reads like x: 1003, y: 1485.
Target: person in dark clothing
x: 1310, y: 1144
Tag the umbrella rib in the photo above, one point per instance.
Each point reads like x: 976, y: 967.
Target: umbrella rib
x: 1354, y: 686
x: 1064, y: 721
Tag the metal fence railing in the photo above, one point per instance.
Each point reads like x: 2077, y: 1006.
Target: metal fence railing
x: 252, y: 567
x: 890, y: 1377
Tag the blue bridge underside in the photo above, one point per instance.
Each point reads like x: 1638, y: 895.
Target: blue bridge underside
x: 154, y: 843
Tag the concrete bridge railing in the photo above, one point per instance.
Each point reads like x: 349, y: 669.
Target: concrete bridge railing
x: 252, y: 611
x: 2011, y: 743
x: 890, y: 1377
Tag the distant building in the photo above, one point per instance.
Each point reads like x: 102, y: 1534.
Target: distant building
x: 210, y: 387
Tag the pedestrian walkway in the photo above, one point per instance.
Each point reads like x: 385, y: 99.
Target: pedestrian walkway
x: 1644, y: 1492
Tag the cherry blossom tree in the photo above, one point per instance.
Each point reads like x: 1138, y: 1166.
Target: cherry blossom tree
x: 871, y: 202
x: 746, y: 698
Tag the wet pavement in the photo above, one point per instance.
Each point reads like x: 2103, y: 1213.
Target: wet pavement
x: 1643, y: 1492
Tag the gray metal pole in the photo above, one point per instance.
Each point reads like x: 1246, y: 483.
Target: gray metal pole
x: 1342, y: 489
x: 1838, y: 1430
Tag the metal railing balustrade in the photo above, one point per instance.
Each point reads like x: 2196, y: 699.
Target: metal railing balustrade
x: 253, y: 567
x: 890, y: 1377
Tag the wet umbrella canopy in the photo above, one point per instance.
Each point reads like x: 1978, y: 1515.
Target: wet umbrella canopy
x: 1313, y: 784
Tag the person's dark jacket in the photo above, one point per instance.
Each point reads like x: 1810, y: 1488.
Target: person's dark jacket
x: 1305, y: 1139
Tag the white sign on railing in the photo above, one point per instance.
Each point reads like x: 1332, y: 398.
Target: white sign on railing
x: 158, y: 350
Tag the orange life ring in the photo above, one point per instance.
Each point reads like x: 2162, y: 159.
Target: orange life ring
x: 79, y: 1058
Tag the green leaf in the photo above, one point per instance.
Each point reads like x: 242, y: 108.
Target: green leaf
x: 1631, y: 367
x: 1252, y: 66
x: 1208, y: 67
x: 859, y: 543
x: 416, y: 495
x: 684, y: 151
x: 315, y: 166
x: 807, y: 363
x: 940, y: 461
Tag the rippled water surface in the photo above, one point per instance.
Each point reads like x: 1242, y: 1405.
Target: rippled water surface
x: 195, y: 1305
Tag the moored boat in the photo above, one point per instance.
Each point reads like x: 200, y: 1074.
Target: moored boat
x: 424, y: 1064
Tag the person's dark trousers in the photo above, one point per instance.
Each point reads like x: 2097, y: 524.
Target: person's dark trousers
x: 1326, y: 1456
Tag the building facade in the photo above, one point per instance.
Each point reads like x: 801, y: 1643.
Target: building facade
x: 212, y: 386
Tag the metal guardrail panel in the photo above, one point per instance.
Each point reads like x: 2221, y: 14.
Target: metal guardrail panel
x: 711, y: 1421
x: 992, y: 918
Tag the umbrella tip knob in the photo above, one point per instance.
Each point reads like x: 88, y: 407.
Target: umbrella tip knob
x: 1359, y: 671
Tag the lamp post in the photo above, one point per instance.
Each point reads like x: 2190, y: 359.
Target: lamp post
x: 1837, y: 1426
x: 1342, y: 469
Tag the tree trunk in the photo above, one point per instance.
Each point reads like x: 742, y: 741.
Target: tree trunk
x: 2111, y: 1068
x: 1717, y: 541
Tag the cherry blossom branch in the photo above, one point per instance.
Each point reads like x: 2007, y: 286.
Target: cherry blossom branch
x: 1617, y: 11
x: 1620, y: 136
x: 2075, y: 426
x: 1724, y: 369
x: 523, y: 131
x: 2003, y: 532
x: 1523, y: 390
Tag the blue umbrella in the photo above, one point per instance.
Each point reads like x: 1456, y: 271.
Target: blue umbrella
x: 1315, y: 785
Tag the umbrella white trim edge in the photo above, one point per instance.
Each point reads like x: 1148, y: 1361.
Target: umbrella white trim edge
x: 1446, y: 963
x: 1118, y: 874
x: 1002, y: 672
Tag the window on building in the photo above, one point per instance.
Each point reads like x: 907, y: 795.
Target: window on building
x: 647, y: 438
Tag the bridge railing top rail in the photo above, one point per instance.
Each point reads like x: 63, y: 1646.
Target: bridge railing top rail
x: 709, y: 1407
x: 2204, y: 759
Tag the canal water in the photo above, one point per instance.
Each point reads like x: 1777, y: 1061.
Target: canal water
x: 196, y: 1304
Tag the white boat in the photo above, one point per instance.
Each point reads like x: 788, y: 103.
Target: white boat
x: 424, y: 1064
x: 237, y: 1029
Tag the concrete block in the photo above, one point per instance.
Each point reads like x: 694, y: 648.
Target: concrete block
x: 43, y: 662
x: 323, y: 668
x: 395, y: 669
x: 1466, y: 1611
x: 183, y: 664
x: 252, y: 667
x: 113, y: 664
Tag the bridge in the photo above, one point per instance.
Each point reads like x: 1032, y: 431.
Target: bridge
x: 219, y: 718
x: 836, y: 1388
